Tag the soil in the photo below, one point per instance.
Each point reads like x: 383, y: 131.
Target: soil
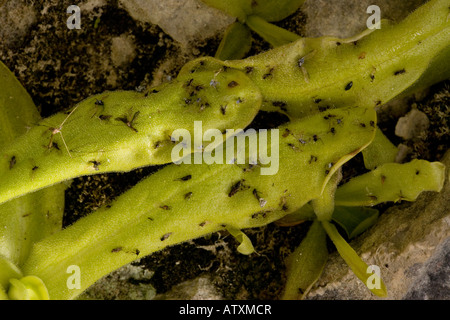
x: 60, y: 67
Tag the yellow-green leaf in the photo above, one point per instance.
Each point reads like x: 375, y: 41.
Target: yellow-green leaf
x: 380, y: 151
x: 355, y: 220
x: 358, y: 266
x: 306, y: 263
x: 27, y: 288
x: 392, y: 182
x: 245, y: 244
x: 235, y: 43
x: 273, y: 34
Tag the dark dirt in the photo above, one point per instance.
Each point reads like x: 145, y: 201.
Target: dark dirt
x: 60, y: 67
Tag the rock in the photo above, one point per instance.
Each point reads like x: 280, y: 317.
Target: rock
x: 410, y: 244
x: 184, y: 20
x: 127, y: 283
x: 433, y: 280
x: 16, y: 19
x: 347, y: 18
x: 90, y: 5
x: 200, y: 288
x: 122, y: 50
x: 412, y: 125
x: 403, y: 152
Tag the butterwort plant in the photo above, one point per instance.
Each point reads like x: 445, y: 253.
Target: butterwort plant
x: 329, y: 88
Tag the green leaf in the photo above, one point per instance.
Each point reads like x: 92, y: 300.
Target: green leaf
x: 270, y: 10
x: 302, y: 214
x: 324, y: 205
x: 355, y: 220
x: 273, y: 34
x: 306, y: 263
x: 358, y: 266
x: 245, y: 246
x: 275, y: 10
x: 3, y: 294
x: 27, y: 288
x: 17, y: 110
x: 8, y: 270
x: 235, y: 43
x: 392, y: 182
x: 28, y: 219
x: 380, y: 151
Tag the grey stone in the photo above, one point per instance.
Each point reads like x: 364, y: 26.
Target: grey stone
x: 403, y: 152
x: 347, y: 18
x: 16, y: 19
x: 433, y: 280
x: 184, y: 20
x: 122, y: 50
x: 412, y: 125
x: 90, y: 5
x: 127, y: 283
x: 200, y: 288
x: 409, y: 244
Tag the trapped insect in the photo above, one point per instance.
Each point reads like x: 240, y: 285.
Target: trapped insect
x: 57, y: 130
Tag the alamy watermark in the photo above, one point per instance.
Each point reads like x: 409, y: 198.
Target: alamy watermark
x: 74, y: 280
x: 374, y: 21
x: 234, y: 150
x: 74, y: 21
x: 373, y: 281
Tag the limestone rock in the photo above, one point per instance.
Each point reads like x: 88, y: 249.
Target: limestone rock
x: 412, y: 125
x: 200, y: 288
x: 122, y: 50
x: 433, y: 280
x: 410, y: 244
x: 16, y: 19
x: 347, y: 18
x: 183, y: 20
x: 127, y: 283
